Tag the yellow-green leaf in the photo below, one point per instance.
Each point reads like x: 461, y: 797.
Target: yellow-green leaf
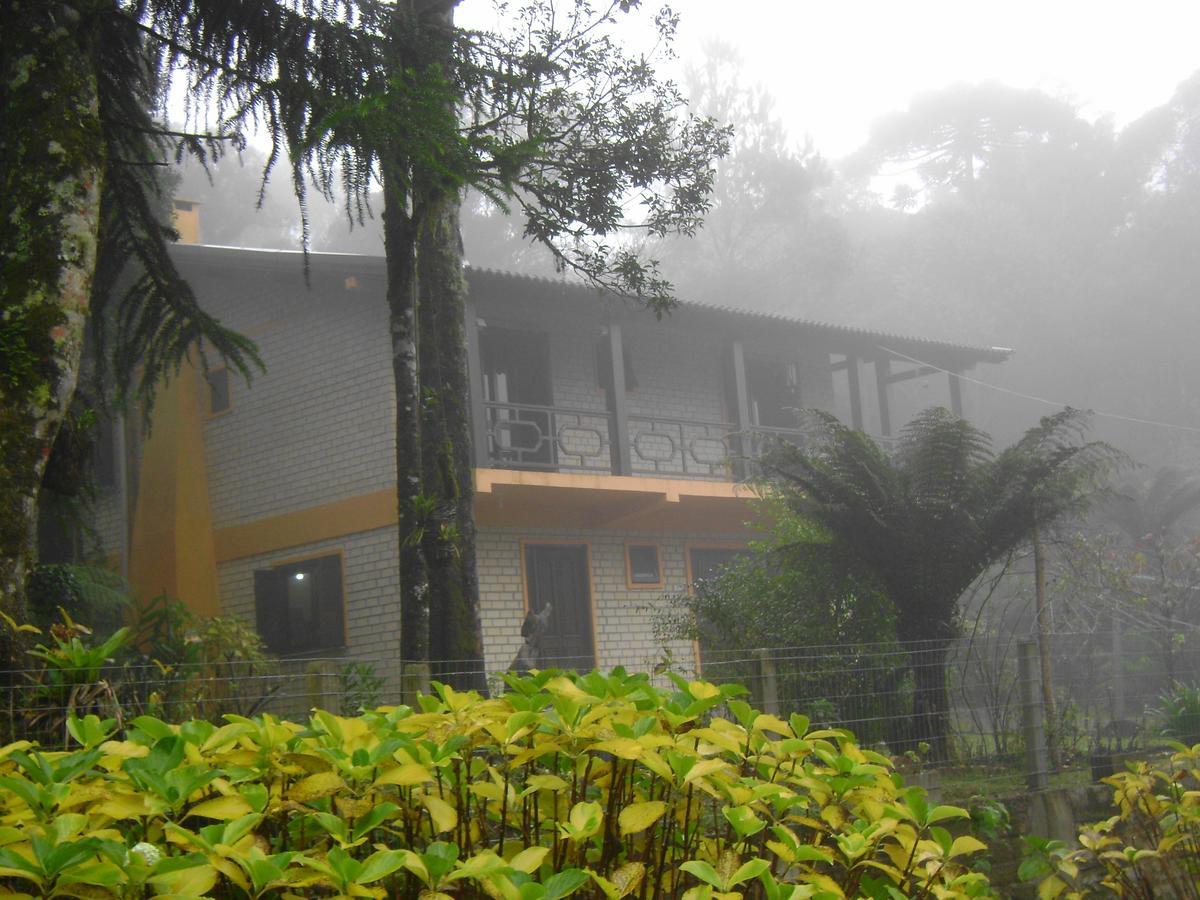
x: 223, y: 808
x: 702, y: 690
x: 529, y: 859
x: 444, y: 816
x: 407, y: 775
x: 966, y: 844
x: 637, y: 817
x: 314, y: 787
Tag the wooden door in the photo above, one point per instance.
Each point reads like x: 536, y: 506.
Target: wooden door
x: 558, y: 574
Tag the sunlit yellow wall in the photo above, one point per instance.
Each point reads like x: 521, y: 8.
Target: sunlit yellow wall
x: 185, y: 215
x: 172, y: 548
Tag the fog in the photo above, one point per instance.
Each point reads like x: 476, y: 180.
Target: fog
x: 1020, y: 213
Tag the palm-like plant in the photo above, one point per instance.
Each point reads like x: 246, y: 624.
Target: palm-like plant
x: 928, y: 519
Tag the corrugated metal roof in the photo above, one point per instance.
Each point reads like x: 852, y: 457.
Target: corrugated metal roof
x: 583, y: 291
x: 984, y: 354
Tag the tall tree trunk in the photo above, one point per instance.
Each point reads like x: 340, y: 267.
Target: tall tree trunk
x: 400, y: 247
x: 455, y: 636
x: 926, y: 635
x: 51, y: 166
x: 455, y: 632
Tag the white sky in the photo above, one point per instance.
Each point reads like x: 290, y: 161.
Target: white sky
x: 835, y: 65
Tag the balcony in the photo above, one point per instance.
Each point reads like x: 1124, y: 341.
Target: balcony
x: 562, y: 439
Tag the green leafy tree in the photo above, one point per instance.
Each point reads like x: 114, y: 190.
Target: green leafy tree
x: 927, y: 520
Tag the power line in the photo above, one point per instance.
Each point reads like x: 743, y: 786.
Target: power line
x: 1055, y: 403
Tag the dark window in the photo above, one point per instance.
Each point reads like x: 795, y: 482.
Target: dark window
x: 643, y: 564
x: 709, y: 561
x: 218, y: 391
x: 298, y: 607
x: 604, y: 365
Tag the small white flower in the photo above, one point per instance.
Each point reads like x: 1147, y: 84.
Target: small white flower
x: 148, y: 852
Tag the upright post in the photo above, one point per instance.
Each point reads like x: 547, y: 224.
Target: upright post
x: 479, y: 425
x: 956, y: 404
x: 883, y: 370
x: 1118, y: 668
x: 618, y: 405
x: 740, y: 403
x: 770, y: 681
x: 856, y: 416
x: 1037, y: 766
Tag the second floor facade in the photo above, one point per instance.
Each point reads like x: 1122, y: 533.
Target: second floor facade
x: 564, y: 380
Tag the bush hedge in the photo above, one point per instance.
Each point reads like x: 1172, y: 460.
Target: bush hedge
x: 595, y: 785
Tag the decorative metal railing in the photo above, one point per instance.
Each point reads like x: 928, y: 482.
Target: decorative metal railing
x: 524, y: 436
x: 681, y: 447
x: 555, y: 438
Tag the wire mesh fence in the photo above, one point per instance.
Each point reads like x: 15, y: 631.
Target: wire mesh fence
x: 960, y: 703
x: 35, y: 702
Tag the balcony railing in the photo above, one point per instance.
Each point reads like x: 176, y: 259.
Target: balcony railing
x: 562, y: 439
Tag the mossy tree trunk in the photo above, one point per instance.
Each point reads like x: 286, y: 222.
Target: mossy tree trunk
x: 455, y: 638
x: 455, y: 634
x: 51, y: 167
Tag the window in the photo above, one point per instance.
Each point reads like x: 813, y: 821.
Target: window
x: 707, y: 562
x: 644, y: 570
x: 774, y: 391
x: 604, y: 365
x: 218, y: 391
x: 298, y: 606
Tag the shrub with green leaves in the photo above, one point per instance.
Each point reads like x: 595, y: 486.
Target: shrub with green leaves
x: 1150, y: 848
x: 594, y: 785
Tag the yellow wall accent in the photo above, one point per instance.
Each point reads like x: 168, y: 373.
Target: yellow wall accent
x: 515, y: 499
x: 172, y: 548
x: 307, y: 526
x: 185, y: 216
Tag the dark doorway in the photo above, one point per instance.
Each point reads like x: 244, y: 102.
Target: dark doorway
x: 516, y: 375
x: 558, y: 574
x: 774, y: 393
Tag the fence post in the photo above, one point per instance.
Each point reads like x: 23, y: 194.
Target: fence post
x: 1036, y: 758
x: 414, y: 680
x: 770, y: 681
x: 320, y: 685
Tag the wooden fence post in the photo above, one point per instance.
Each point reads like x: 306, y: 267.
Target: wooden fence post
x: 770, y: 681
x: 1037, y: 765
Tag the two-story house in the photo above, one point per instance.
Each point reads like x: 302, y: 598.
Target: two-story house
x: 610, y: 448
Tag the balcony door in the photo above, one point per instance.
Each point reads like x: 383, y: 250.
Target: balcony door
x: 557, y: 574
x: 774, y: 393
x: 516, y: 373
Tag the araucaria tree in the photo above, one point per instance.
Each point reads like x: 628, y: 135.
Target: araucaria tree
x: 552, y: 119
x: 927, y: 520
x: 79, y: 214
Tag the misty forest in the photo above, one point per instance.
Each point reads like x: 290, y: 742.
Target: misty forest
x: 465, y: 451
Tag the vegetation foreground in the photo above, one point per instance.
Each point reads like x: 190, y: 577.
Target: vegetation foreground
x: 593, y: 785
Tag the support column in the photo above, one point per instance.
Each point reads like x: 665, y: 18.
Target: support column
x: 479, y: 424
x: 956, y: 403
x: 740, y: 407
x: 883, y: 371
x: 618, y: 405
x: 856, y: 416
